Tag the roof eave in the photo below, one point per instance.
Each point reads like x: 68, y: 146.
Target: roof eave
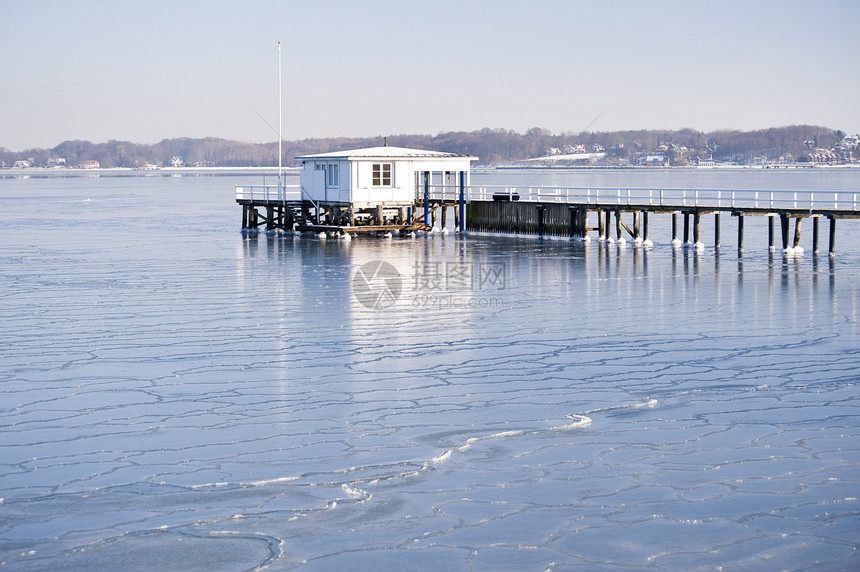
x: 402, y: 153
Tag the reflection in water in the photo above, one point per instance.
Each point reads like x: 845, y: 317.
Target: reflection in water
x: 453, y: 279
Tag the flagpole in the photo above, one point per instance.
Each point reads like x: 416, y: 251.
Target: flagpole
x: 280, y: 139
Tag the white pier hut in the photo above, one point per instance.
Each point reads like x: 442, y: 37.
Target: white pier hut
x: 364, y: 190
x: 379, y: 176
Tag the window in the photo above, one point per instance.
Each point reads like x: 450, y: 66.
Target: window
x: 382, y: 174
x: 330, y: 172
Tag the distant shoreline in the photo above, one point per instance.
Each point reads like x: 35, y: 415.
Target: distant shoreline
x: 130, y: 172
x: 779, y: 167
x: 40, y: 172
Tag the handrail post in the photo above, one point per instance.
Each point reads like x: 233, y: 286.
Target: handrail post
x: 426, y: 199
x: 462, y: 205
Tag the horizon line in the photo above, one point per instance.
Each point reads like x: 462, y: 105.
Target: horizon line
x: 379, y: 136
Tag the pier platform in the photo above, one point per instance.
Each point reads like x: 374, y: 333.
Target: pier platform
x: 558, y: 211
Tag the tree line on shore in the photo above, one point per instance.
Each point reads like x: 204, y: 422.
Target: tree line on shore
x: 678, y: 147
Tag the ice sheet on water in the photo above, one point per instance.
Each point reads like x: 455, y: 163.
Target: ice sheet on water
x: 198, y: 384
x: 179, y: 550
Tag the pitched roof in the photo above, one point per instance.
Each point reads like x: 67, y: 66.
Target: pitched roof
x: 387, y: 153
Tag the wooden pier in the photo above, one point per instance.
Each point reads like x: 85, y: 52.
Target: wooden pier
x: 277, y: 208
x: 615, y: 214
x: 567, y: 211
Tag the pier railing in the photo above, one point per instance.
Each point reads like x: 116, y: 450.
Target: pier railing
x: 268, y: 193
x: 721, y: 199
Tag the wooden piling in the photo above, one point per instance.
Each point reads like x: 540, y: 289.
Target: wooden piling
x: 783, y: 223
x: 686, y: 227
x: 716, y: 230
x: 815, y: 235
x: 541, y: 211
x: 696, y: 222
x: 740, y: 232
x: 444, y: 216
x: 601, y: 230
x: 608, y: 221
x: 583, y: 221
x: 770, y: 232
x: 797, y: 222
x: 636, y: 236
x: 571, y: 214
x: 832, y: 235
x: 618, y: 225
x: 577, y: 226
x: 674, y: 227
x: 644, y: 225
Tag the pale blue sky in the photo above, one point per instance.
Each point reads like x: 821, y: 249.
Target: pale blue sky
x: 146, y: 71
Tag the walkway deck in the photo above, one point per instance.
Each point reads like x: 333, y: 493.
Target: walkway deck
x: 565, y: 210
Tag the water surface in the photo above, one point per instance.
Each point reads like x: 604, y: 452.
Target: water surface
x: 177, y: 393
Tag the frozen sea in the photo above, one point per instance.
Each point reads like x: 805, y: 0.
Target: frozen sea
x: 179, y: 395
